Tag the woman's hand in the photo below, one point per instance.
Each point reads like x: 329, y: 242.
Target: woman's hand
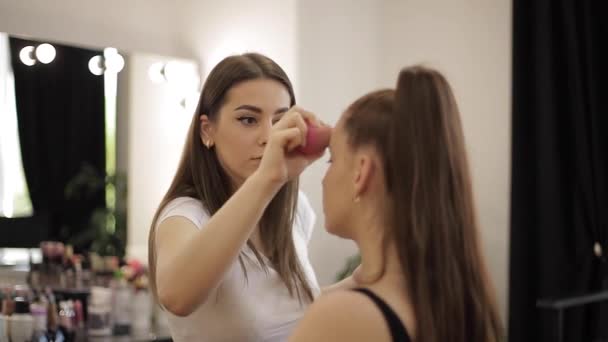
x: 281, y: 161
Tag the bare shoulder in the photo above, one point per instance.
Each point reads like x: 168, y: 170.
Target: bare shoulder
x: 342, y: 316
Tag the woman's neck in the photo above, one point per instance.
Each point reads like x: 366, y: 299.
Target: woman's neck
x: 379, y: 256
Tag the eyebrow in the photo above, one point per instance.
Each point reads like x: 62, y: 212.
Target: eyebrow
x: 259, y: 110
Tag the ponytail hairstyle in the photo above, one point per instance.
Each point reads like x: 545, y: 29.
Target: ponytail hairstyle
x: 417, y: 132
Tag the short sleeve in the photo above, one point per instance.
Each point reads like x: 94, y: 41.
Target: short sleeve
x: 187, y: 207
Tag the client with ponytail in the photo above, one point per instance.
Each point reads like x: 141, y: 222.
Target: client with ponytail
x: 399, y: 186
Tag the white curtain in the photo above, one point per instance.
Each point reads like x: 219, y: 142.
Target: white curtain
x: 14, y: 196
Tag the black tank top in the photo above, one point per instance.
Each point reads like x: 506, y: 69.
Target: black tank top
x: 396, y: 327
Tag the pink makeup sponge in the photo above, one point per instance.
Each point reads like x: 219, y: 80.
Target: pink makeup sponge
x: 317, y: 139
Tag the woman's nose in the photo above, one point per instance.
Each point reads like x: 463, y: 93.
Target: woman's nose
x: 265, y: 129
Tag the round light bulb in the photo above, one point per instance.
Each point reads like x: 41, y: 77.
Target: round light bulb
x: 96, y: 65
x: 26, y: 55
x: 115, y: 63
x: 173, y: 72
x: 45, y: 53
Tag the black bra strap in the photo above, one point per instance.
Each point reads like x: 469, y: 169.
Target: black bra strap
x: 396, y: 327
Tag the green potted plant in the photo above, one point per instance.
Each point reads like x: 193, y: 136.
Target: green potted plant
x: 106, y: 229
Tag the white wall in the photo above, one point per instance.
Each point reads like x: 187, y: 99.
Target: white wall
x: 134, y: 25
x: 214, y: 30
x: 339, y: 60
x: 470, y: 42
x: 157, y: 126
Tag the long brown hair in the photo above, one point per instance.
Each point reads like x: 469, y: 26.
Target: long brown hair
x: 417, y: 131
x: 200, y: 175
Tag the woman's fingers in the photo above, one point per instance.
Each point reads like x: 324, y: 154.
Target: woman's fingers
x: 292, y: 119
x: 301, y: 124
x: 289, y: 138
x: 309, y: 117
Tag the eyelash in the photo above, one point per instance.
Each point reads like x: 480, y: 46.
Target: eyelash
x: 243, y: 118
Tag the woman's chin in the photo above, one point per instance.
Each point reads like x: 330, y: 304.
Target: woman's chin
x: 331, y: 229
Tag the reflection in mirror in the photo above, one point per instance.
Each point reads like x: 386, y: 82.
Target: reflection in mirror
x: 75, y: 124
x: 58, y: 110
x: 65, y: 138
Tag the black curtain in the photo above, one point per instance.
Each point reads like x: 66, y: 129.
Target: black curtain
x: 60, y: 113
x: 559, y: 207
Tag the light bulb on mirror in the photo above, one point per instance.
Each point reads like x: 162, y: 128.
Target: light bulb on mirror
x: 173, y: 72
x: 96, y: 65
x: 26, y: 55
x: 114, y: 63
x: 45, y: 53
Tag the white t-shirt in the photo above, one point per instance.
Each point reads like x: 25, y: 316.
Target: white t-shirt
x: 257, y: 309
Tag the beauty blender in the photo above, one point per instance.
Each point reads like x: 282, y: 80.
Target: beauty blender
x: 317, y: 139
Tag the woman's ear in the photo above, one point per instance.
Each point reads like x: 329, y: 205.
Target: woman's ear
x: 364, y: 171
x: 206, y: 132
